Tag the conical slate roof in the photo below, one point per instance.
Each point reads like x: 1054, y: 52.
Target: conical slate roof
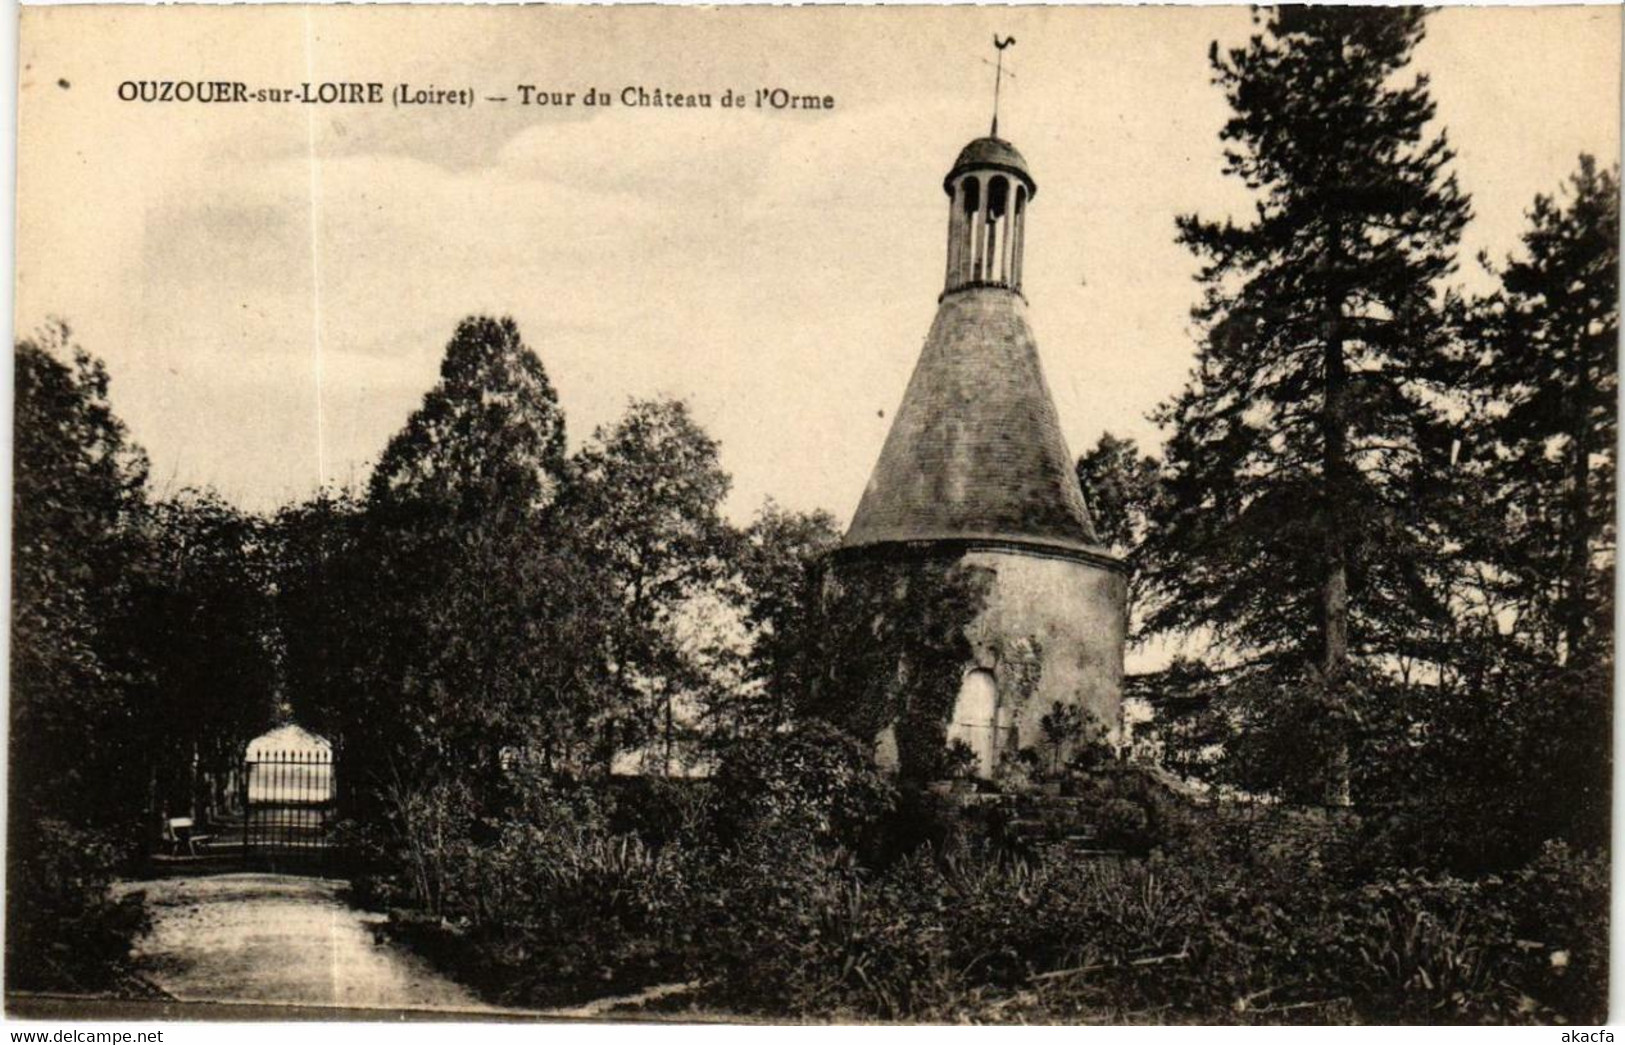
x: 975, y: 451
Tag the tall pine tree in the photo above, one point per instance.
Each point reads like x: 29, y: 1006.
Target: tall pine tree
x: 1304, y: 451
x: 1549, y: 368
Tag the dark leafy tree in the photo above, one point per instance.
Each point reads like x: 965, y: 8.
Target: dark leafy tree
x: 1306, y: 450
x: 1507, y: 748
x: 322, y: 594
x: 1119, y: 483
x: 488, y: 440
x: 644, y: 514
x: 76, y: 801
x: 778, y: 559
x: 454, y: 549
x: 202, y: 621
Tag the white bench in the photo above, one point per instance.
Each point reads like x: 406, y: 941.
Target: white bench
x: 178, y: 832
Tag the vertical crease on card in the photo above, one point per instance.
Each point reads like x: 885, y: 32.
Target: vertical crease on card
x: 315, y: 251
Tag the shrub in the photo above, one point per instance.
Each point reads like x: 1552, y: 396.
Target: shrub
x: 1123, y: 822
x: 959, y: 762
x: 814, y: 780
x: 806, y: 933
x: 1477, y: 780
x: 64, y: 928
x: 1419, y: 950
x: 1560, y: 902
x: 554, y: 906
x: 961, y: 933
x: 1134, y: 811
x: 558, y: 916
x: 1014, y: 919
x: 427, y: 835
x: 659, y: 810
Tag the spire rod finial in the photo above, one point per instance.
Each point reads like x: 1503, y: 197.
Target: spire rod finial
x: 998, y: 77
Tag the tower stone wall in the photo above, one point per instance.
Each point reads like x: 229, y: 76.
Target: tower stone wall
x: 1068, y: 615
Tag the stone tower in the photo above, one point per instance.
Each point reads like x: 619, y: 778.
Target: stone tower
x: 975, y: 473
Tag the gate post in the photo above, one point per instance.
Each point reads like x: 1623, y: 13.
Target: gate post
x: 248, y: 810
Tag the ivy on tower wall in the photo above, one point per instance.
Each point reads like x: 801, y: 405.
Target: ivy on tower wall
x: 893, y: 650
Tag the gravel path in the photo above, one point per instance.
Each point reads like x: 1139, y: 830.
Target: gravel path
x: 281, y: 939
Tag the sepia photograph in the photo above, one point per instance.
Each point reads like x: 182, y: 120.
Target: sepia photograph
x: 1066, y: 515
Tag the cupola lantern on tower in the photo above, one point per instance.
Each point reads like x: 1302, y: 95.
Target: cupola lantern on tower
x: 988, y: 192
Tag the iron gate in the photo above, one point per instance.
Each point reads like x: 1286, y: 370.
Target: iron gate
x: 288, y: 799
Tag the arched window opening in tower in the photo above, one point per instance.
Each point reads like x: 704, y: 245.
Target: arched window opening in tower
x: 998, y: 197
x: 962, y: 219
x: 1018, y: 236
x: 970, y: 256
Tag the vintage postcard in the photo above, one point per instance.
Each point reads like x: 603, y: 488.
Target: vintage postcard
x: 834, y: 514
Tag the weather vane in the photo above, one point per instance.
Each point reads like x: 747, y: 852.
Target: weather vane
x: 998, y: 76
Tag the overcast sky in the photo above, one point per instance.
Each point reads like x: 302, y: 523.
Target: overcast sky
x: 272, y: 286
